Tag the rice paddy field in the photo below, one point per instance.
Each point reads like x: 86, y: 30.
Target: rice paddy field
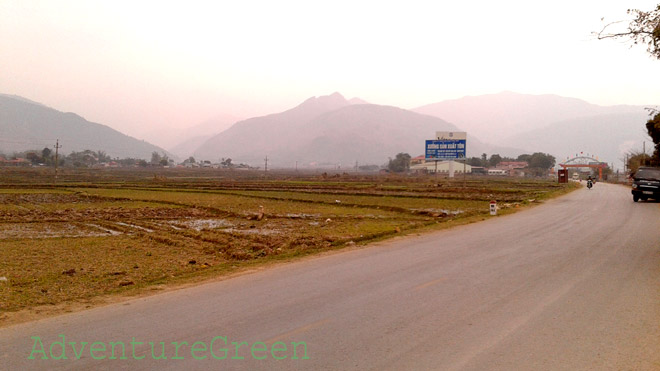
x: 95, y: 234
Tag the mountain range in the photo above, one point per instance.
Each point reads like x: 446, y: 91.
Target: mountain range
x: 27, y: 125
x: 548, y: 123
x: 330, y: 131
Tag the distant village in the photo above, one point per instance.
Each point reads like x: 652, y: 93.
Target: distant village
x: 99, y: 159
x: 536, y: 165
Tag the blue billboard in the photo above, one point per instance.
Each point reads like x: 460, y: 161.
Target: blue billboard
x: 445, y: 149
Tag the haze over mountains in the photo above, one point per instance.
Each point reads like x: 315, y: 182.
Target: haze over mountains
x: 548, y: 123
x: 184, y: 141
x: 330, y: 131
x: 27, y: 125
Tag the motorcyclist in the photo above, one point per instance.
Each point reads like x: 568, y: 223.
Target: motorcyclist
x: 590, y: 182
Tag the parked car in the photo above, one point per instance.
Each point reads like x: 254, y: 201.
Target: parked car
x: 646, y: 184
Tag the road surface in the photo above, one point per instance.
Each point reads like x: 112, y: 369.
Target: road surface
x: 573, y: 284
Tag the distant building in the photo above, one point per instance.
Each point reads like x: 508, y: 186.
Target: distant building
x: 417, y: 160
x: 512, y: 168
x: 498, y: 172
x: 479, y: 170
x: 15, y: 162
x: 442, y: 166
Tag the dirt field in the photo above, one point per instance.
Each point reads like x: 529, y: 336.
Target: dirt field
x: 105, y: 232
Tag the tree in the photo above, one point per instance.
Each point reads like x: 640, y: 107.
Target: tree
x: 226, y: 162
x: 653, y: 128
x: 103, y: 157
x: 34, y: 158
x: 538, y: 163
x: 155, y: 158
x: 158, y: 159
x: 84, y: 158
x: 637, y: 159
x: 643, y: 29
x: 475, y: 161
x: 400, y: 164
x: 494, y: 160
x: 541, y: 160
x: 46, y: 152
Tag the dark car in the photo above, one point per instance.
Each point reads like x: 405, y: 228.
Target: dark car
x: 646, y: 184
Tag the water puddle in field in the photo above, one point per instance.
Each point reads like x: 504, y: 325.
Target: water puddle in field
x: 135, y: 227
x: 104, y: 229
x: 32, y: 230
x: 265, y: 232
x: 200, y: 224
x: 302, y: 216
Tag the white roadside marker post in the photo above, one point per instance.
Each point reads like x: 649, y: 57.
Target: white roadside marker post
x: 493, y: 208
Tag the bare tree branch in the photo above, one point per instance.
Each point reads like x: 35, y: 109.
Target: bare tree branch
x: 643, y: 29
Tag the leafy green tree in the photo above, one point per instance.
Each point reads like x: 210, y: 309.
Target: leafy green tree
x: 524, y: 158
x: 46, y: 153
x: 541, y: 161
x: 34, y: 157
x: 155, y: 158
x: 494, y: 160
x: 400, y: 164
x: 475, y: 161
x: 101, y: 156
x: 84, y: 158
x: 653, y: 128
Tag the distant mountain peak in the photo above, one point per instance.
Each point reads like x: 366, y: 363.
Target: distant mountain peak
x: 334, y: 99
x: 357, y: 100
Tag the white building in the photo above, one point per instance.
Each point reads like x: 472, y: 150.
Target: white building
x: 443, y: 167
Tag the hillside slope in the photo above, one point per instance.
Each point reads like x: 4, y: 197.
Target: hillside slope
x: 27, y: 125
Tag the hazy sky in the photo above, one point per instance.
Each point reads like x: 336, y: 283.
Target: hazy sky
x: 135, y: 65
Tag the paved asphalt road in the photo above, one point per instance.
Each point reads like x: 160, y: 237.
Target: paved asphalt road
x: 573, y: 284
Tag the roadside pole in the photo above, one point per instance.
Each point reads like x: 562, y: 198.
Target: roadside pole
x: 57, y: 149
x: 464, y: 171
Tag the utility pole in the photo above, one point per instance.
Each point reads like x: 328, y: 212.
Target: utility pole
x: 644, y: 150
x: 296, y: 166
x: 57, y: 148
x: 356, y: 166
x: 266, y: 166
x: 464, y: 170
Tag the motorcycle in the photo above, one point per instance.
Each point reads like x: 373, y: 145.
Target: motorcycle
x: 590, y: 183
